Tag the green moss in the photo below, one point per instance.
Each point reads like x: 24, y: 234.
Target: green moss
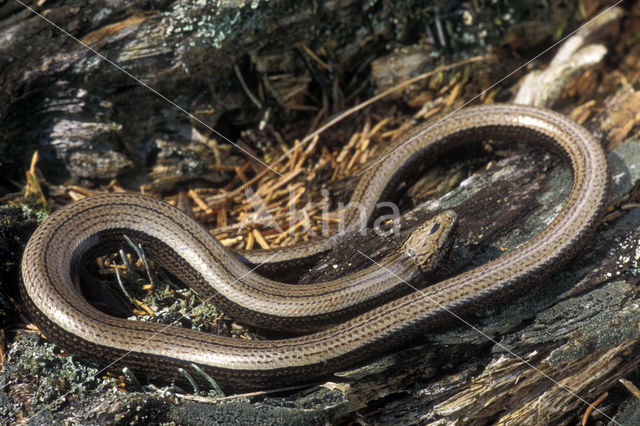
x: 53, y: 375
x: 213, y: 23
x: 37, y: 208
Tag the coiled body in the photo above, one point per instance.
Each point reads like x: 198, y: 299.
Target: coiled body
x: 57, y: 307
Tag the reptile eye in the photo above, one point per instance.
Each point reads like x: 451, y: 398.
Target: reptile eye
x: 434, y: 228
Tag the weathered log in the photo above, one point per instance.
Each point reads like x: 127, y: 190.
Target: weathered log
x: 227, y: 63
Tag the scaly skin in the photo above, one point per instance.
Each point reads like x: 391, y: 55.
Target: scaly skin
x: 189, y: 251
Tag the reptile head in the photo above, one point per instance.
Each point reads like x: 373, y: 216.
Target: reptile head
x: 432, y: 241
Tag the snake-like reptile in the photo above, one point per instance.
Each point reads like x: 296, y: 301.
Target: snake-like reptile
x: 54, y: 253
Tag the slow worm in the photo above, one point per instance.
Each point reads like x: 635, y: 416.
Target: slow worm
x: 55, y: 251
